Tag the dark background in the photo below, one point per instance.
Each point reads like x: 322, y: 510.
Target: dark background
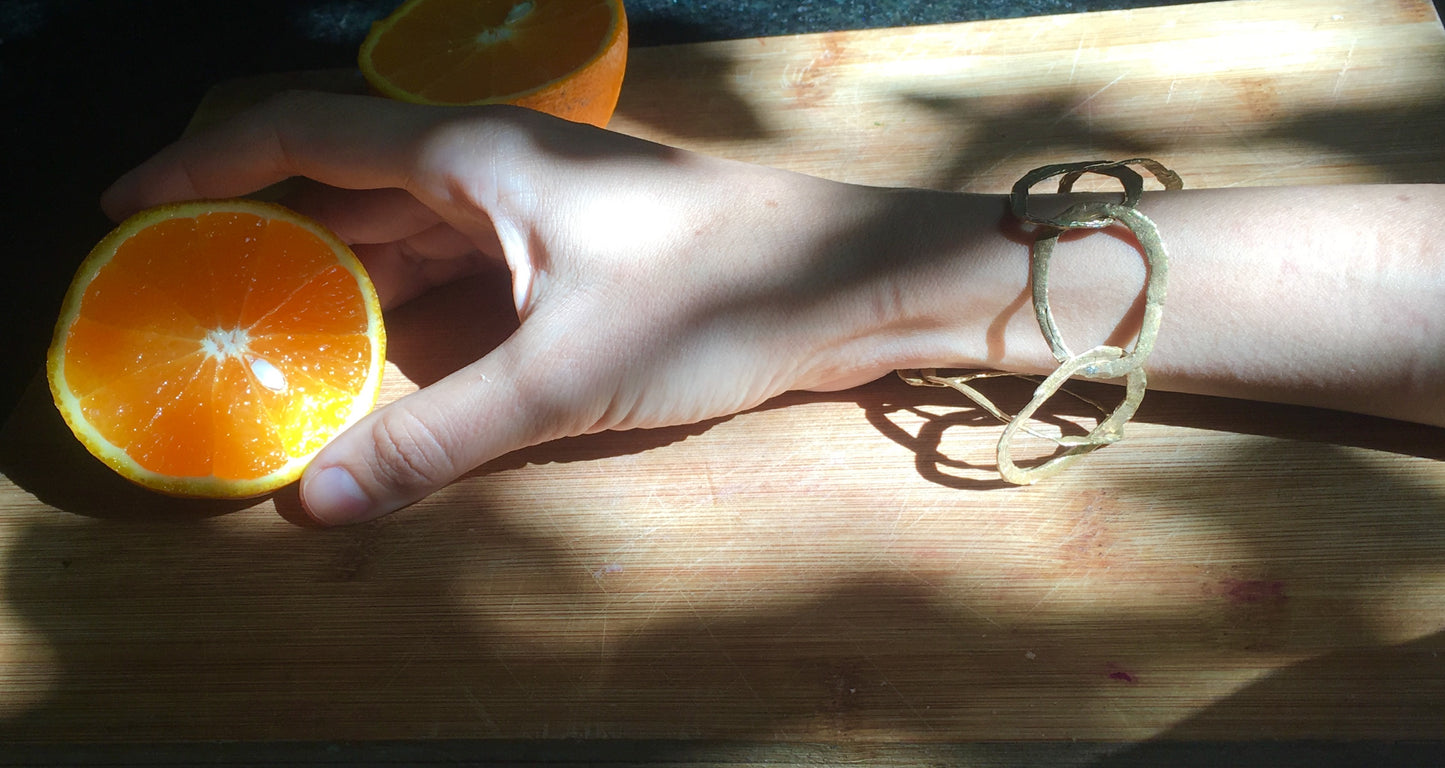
x: 92, y: 87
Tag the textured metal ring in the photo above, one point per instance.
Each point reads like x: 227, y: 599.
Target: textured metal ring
x: 1109, y: 430
x: 1132, y: 182
x: 1102, y: 362
x: 1157, y: 266
x: 1166, y: 178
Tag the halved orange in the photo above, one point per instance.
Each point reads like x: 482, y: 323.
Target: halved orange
x: 211, y: 348
x: 563, y: 57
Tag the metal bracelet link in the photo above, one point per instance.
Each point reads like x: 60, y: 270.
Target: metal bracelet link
x: 1100, y: 362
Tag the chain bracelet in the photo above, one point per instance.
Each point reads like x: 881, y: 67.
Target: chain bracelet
x: 1101, y: 362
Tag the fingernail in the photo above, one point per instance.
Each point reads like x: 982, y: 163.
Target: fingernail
x: 333, y: 497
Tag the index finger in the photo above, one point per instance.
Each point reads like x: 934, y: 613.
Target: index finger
x: 354, y: 142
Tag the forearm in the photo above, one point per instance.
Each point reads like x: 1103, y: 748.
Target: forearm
x: 1332, y: 297
x: 658, y: 287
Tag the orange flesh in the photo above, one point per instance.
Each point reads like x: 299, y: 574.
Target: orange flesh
x: 182, y: 338
x: 542, y: 44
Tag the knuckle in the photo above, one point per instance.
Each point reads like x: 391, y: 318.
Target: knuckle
x: 409, y: 454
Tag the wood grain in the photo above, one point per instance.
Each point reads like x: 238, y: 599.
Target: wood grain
x: 826, y: 568
x: 1234, y: 93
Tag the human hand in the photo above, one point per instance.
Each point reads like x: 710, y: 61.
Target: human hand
x: 654, y: 286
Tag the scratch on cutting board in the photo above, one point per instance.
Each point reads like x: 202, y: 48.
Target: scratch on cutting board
x: 883, y: 550
x: 645, y: 622
x: 977, y: 614
x: 1340, y: 78
x: 886, y: 682
x: 402, y: 664
x: 1075, y: 67
x: 728, y: 657
x: 1272, y: 174
x: 481, y: 711
x: 1090, y: 98
x: 712, y: 494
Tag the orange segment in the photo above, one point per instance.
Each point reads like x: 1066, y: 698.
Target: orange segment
x: 247, y: 439
x: 212, y: 348
x: 128, y: 409
x: 564, y: 57
x: 125, y: 295
x: 179, y: 434
x: 326, y: 302
x: 101, y: 355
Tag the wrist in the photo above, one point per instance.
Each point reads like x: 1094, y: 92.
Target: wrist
x: 934, y: 280
x: 948, y: 287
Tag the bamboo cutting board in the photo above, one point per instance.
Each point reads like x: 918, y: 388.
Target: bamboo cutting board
x: 826, y: 568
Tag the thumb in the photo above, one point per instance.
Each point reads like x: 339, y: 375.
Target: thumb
x: 405, y: 451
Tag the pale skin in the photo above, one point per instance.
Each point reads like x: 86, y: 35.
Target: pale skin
x: 659, y: 287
